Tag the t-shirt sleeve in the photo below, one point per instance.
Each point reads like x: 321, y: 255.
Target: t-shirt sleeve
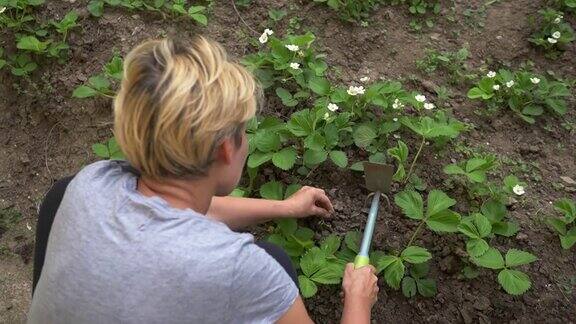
x: 262, y: 290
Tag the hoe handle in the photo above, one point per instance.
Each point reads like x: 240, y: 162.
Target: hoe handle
x: 362, y: 259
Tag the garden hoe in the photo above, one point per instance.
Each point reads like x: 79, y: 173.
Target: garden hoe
x: 378, y: 178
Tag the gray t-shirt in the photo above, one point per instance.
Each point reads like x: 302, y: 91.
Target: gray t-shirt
x: 116, y: 256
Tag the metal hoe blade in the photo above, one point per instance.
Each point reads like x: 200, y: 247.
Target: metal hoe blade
x: 378, y: 176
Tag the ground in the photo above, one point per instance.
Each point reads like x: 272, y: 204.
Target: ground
x: 46, y: 135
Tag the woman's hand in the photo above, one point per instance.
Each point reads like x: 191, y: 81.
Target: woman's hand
x: 360, y: 288
x: 308, y: 201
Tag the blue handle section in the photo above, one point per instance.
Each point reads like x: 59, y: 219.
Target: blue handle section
x: 369, y: 229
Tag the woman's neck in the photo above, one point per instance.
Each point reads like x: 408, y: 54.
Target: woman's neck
x: 181, y: 194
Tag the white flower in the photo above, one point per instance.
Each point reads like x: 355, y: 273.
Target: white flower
x: 395, y: 119
x: 293, y: 48
x: 420, y: 98
x: 353, y: 91
x: 332, y: 107
x: 496, y: 87
x: 518, y: 189
x: 264, y: 37
x: 557, y: 20
x: 397, y: 104
x: 326, y: 115
x: 295, y: 65
x: 2, y: 9
x: 396, y: 136
x: 365, y: 79
x: 535, y: 80
x: 510, y: 83
x: 428, y: 106
x: 491, y: 74
x: 556, y: 34
x: 552, y: 40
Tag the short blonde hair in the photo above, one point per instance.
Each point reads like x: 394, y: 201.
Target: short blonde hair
x: 177, y: 103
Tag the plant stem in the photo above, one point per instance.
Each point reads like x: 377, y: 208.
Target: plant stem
x: 416, y: 231
x: 414, y: 160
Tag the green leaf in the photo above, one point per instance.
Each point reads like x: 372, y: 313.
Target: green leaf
x: 31, y: 43
x: 201, y: 19
x: 381, y: 261
x: 568, y: 240
x: 493, y: 210
x: 514, y: 282
x: 267, y: 141
x: 301, y: 123
x: 329, y: 274
x: 426, y: 287
x: 516, y: 257
x: 363, y: 136
x: 352, y: 240
x: 476, y: 247
x: 419, y: 270
x: 394, y: 273
x: 445, y: 221
x: 287, y: 226
x: 99, y: 82
x: 567, y: 208
x: 319, y: 85
x: 339, y: 158
x: 272, y: 190
x: 331, y: 244
x: 482, y: 224
x: 453, y: 169
x: 557, y: 105
x: 315, y: 141
x: 505, y: 228
x: 312, y: 261
x: 291, y: 189
x: 491, y: 259
x: 476, y: 93
x: 237, y: 193
x: 312, y: 157
x: 409, y: 287
x: 84, y: 92
x: 416, y: 254
x: 285, y: 158
x: 101, y: 150
x: 411, y: 203
x: 357, y: 166
x: 257, y: 158
x: 557, y: 224
x: 438, y: 201
x: 307, y: 287
x: 287, y: 98
x: 532, y: 110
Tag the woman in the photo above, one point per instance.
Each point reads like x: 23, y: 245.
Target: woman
x: 154, y: 241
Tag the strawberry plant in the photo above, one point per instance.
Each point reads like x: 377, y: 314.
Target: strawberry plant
x: 320, y: 266
x: 100, y: 84
x: 565, y: 226
x: 352, y: 10
x: 525, y: 93
x: 108, y: 150
x: 17, y: 14
x: 417, y: 282
x: 474, y: 170
x: 553, y: 34
x: 166, y: 7
x: 452, y: 62
x: 513, y: 281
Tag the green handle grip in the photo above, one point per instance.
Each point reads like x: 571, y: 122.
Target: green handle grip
x: 361, y: 261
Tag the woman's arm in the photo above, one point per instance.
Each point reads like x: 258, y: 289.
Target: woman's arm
x: 238, y: 213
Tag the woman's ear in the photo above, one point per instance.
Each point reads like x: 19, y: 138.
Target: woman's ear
x: 225, y: 151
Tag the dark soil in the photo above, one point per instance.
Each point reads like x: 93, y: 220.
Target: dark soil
x: 47, y: 135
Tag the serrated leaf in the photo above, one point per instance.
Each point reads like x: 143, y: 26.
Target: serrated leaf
x: 84, y: 92
x: 568, y: 240
x: 505, y: 228
x: 426, y: 287
x: 287, y: 226
x: 411, y: 203
x: 352, y: 240
x: 416, y: 254
x: 331, y: 244
x: 477, y: 176
x: 557, y: 224
x: 493, y: 210
x: 419, y: 270
x: 31, y: 43
x: 514, y: 282
x: 476, y: 247
x: 292, y: 189
x: 315, y: 141
x: 312, y: 261
x: 267, y: 141
x: 567, y: 208
x: 272, y: 190
x: 444, y: 221
x: 491, y: 259
x: 319, y: 85
x: 285, y: 158
x: 101, y: 150
x: 394, y: 273
x: 409, y: 287
x: 339, y: 158
x: 438, y: 201
x: 453, y: 169
x: 329, y: 274
x: 313, y: 157
x: 257, y: 158
x: 363, y: 136
x: 516, y: 257
x: 307, y: 287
